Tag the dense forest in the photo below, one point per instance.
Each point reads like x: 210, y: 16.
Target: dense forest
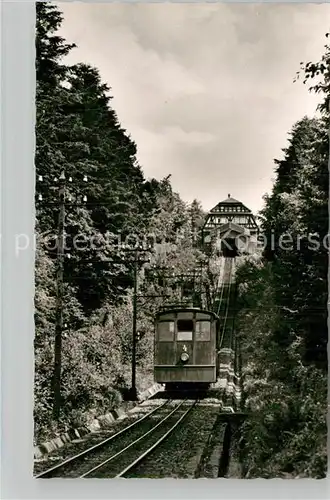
x: 78, y: 132
x: 282, y: 320
x: 283, y: 307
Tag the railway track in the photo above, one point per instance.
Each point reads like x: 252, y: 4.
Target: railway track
x: 119, y: 454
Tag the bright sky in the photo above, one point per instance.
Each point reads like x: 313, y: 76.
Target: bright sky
x: 205, y: 90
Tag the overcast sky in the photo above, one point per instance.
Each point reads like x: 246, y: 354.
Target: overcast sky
x: 206, y: 91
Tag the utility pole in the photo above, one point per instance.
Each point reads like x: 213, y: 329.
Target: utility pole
x: 133, y: 386
x: 59, y: 301
x: 136, y: 251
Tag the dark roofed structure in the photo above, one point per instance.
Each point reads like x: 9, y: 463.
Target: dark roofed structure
x: 228, y: 204
x: 232, y: 214
x: 228, y: 200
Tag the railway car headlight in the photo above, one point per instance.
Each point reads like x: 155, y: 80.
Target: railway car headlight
x: 184, y: 357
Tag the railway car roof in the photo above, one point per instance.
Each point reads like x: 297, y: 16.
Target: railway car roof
x: 186, y: 309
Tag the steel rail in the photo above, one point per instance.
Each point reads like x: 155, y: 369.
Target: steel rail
x: 45, y: 473
x: 227, y: 305
x: 160, y: 440
x: 222, y: 286
x: 113, y: 457
x: 231, y: 336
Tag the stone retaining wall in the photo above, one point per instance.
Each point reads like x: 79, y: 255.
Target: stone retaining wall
x: 98, y: 423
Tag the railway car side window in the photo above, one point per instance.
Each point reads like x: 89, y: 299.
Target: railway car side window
x: 165, y: 331
x: 203, y: 330
x: 185, y: 329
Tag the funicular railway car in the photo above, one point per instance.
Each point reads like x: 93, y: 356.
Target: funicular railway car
x: 185, y: 355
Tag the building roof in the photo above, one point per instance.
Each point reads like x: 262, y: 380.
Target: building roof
x: 230, y: 201
x: 231, y: 226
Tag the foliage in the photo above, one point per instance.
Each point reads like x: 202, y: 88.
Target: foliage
x: 321, y: 72
x: 283, y: 317
x: 78, y: 133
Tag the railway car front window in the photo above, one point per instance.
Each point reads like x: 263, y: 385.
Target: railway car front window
x: 165, y: 331
x: 203, y: 330
x: 185, y: 329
